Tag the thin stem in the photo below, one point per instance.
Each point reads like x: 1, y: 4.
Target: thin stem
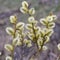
x: 22, y: 44
x: 12, y: 52
x: 35, y: 39
x: 42, y: 44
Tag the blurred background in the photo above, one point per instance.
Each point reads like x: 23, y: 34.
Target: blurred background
x: 43, y: 8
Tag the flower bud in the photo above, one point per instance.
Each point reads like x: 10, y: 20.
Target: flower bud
x: 32, y: 11
x: 58, y: 46
x: 29, y: 26
x: 23, y: 10
x: 15, y: 41
x: 27, y: 42
x: 9, y: 58
x: 39, y: 47
x: 37, y: 28
x: 45, y: 48
x: 51, y: 25
x: 43, y: 21
x: 46, y: 39
x: 49, y: 18
x: 25, y: 4
x: 29, y: 45
x: 19, y: 43
x: 54, y: 17
x: 49, y: 32
x: 9, y: 47
x: 40, y: 41
x: 32, y: 20
x: 31, y: 35
x: 10, y: 30
x: 20, y: 25
x: 13, y: 19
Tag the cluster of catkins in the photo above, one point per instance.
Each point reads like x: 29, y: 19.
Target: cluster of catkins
x: 33, y: 34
